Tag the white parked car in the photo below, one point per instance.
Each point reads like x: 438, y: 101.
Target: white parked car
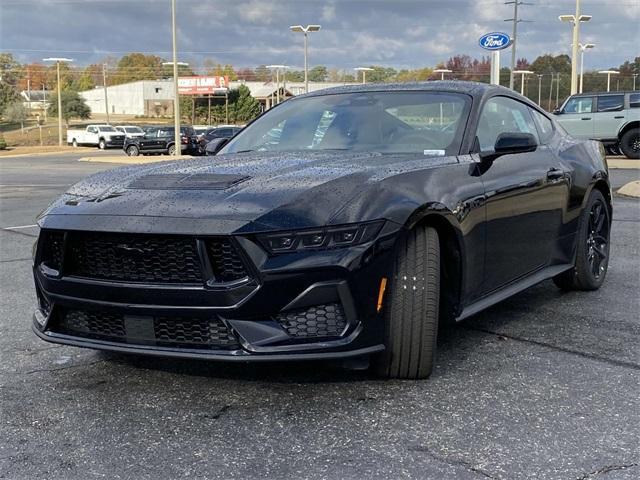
x: 101, y: 136
x: 130, y: 131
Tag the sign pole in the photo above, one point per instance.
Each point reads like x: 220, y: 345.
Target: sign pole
x: 495, y: 67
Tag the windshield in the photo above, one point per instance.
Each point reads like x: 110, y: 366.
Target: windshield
x: 133, y: 130
x: 107, y: 129
x: 428, y: 123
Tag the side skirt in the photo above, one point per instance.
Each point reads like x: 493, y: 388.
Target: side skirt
x: 512, y: 289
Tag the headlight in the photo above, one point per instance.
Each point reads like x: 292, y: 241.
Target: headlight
x: 326, y: 237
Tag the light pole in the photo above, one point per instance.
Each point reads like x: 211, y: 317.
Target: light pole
x: 583, y: 48
x: 277, y: 68
x: 635, y: 75
x: 58, y: 61
x: 306, y: 30
x: 523, y: 73
x: 364, y: 71
x: 575, y: 20
x: 539, y: 75
x: 442, y: 71
x: 176, y: 99
x: 609, y: 73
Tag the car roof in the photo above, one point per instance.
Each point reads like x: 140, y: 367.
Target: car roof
x: 457, y: 86
x: 591, y: 94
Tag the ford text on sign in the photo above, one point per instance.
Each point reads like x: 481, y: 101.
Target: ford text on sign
x: 495, y: 41
x: 198, y: 85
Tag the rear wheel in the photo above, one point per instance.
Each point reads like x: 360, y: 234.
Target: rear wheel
x: 74, y: 143
x: 133, y: 151
x: 592, y: 255
x: 172, y: 150
x: 630, y: 143
x: 411, y: 313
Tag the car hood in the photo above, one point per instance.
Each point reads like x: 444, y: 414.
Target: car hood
x: 240, y: 192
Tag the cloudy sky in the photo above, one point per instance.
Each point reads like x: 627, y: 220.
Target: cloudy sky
x: 394, y: 33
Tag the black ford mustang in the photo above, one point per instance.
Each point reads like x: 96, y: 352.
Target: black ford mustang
x: 343, y: 223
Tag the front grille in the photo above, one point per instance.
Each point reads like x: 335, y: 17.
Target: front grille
x: 184, y: 332
x: 225, y: 261
x: 134, y: 258
x: 326, y: 320
x: 52, y: 248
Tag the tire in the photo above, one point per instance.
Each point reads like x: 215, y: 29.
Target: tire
x: 592, y: 253
x: 630, y: 143
x: 102, y: 144
x: 74, y: 143
x: 133, y: 151
x: 411, y: 311
x: 172, y: 150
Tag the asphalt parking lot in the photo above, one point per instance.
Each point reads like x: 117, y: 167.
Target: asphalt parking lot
x: 545, y: 385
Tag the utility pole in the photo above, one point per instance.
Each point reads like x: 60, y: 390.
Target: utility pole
x: 558, y: 91
x: 514, y: 34
x: 29, y: 89
x: 44, y: 102
x: 58, y: 60
x: 104, y: 83
x: 550, y: 90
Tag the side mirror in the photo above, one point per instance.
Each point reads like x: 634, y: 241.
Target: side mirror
x: 215, y: 145
x: 557, y: 111
x: 509, y: 143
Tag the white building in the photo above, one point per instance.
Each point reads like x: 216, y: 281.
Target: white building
x: 154, y: 98
x: 151, y: 98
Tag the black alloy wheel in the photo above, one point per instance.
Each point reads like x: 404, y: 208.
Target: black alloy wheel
x: 592, y: 250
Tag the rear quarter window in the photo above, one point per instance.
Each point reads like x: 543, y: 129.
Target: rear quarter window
x: 610, y: 103
x: 634, y: 100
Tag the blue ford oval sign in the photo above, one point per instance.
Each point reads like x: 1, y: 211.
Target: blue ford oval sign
x: 495, y: 41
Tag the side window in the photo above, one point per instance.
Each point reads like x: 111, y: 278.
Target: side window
x: 634, y: 100
x: 92, y: 130
x: 545, y: 126
x: 503, y: 115
x: 579, y: 105
x: 610, y: 103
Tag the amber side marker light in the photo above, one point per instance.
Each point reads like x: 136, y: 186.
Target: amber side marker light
x: 383, y: 286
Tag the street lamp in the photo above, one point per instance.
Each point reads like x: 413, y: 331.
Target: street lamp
x: 583, y: 48
x: 306, y: 30
x: 523, y: 73
x: 58, y: 61
x: 442, y: 71
x: 635, y: 75
x: 575, y: 20
x: 364, y: 71
x: 609, y: 73
x: 277, y: 68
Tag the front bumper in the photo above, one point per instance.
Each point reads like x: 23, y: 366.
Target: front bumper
x: 252, y: 310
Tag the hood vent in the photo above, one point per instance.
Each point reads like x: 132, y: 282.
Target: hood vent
x: 180, y: 181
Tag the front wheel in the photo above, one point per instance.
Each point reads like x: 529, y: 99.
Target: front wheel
x: 172, y: 150
x: 592, y: 253
x: 102, y: 144
x: 411, y: 312
x: 630, y: 143
x: 133, y: 151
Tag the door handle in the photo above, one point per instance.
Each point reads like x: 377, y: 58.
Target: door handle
x: 585, y: 118
x: 555, y: 174
x: 619, y: 116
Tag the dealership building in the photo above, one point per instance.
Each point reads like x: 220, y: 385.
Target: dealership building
x: 154, y: 98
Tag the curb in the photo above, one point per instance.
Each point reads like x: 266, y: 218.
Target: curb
x: 620, y: 163
x: 139, y: 160
x: 40, y: 154
x: 631, y: 189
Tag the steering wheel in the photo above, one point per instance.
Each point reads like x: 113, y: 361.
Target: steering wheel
x: 417, y: 138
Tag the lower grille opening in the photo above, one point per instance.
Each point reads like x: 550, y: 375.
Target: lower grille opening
x: 185, y: 332
x: 318, y: 321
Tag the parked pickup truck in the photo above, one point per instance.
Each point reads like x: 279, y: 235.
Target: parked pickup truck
x: 610, y: 117
x: 102, y: 136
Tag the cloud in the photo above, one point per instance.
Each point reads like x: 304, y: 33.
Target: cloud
x: 257, y: 11
x: 328, y: 12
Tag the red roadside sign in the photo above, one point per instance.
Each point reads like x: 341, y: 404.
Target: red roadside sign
x: 202, y: 85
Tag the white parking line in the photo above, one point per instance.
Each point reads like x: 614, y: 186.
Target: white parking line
x: 19, y: 227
